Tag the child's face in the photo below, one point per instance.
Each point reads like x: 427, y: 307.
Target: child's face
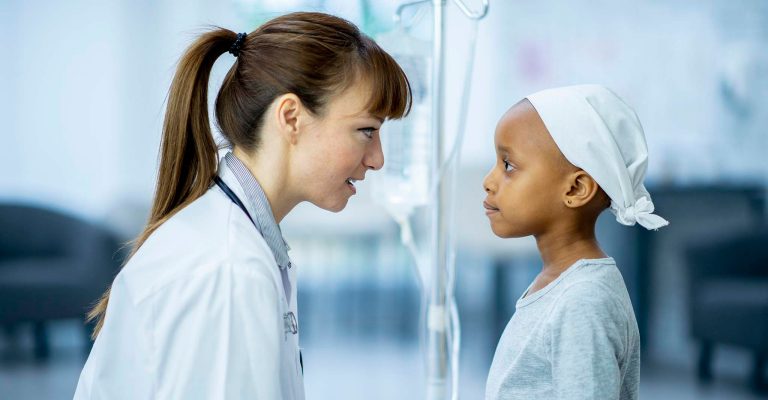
x: 525, y: 187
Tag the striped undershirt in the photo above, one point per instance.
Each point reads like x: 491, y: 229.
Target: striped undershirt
x: 263, y: 217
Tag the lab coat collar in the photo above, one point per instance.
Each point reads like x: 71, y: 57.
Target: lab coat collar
x: 237, y: 176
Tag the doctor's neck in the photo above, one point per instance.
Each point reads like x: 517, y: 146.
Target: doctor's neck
x: 269, y: 166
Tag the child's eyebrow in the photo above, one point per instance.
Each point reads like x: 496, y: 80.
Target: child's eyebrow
x: 503, y: 149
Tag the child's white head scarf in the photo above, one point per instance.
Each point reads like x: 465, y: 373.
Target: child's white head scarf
x: 599, y: 133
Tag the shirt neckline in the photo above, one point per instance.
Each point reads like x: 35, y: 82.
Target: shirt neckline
x: 527, y: 300
x: 259, y: 206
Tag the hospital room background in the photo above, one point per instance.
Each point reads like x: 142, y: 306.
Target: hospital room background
x: 82, y: 91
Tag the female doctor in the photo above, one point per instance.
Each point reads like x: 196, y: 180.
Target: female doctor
x: 206, y: 306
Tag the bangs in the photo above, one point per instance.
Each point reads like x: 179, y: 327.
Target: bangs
x: 391, y: 96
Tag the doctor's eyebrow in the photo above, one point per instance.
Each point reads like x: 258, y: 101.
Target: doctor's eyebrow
x: 371, y: 116
x: 367, y: 116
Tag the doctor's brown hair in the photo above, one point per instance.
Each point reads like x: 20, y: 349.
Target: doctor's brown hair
x: 312, y: 55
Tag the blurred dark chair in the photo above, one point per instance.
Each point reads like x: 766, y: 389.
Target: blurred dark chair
x: 52, y: 266
x: 729, y: 298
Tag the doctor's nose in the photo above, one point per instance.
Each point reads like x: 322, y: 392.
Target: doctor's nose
x: 374, y: 157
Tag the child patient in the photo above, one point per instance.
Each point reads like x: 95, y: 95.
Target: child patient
x: 564, y: 156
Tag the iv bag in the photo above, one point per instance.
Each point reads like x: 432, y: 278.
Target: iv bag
x: 404, y: 182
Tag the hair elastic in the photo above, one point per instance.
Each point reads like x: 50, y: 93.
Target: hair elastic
x: 235, y: 49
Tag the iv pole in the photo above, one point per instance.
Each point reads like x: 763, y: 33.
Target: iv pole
x: 439, y: 383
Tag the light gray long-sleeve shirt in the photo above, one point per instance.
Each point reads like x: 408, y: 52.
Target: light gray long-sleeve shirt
x: 576, y: 338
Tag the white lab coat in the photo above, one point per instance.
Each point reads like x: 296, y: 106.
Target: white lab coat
x: 197, y: 313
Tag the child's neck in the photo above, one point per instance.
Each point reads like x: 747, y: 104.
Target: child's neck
x: 560, y: 250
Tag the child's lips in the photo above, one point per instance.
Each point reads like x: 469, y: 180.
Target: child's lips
x: 489, y: 209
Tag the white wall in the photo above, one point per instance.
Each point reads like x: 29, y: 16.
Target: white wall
x: 83, y: 90
x: 670, y: 59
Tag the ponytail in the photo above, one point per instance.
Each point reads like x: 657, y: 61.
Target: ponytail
x: 188, y: 153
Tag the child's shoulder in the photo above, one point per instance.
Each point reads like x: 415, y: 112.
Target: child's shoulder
x: 596, y: 285
x: 596, y: 276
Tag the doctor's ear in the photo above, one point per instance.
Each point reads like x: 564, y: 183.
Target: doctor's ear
x: 291, y: 116
x: 581, y: 189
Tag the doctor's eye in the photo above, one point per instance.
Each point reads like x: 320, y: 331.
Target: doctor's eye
x: 368, y: 132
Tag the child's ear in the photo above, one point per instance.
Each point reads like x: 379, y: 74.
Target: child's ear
x: 581, y: 190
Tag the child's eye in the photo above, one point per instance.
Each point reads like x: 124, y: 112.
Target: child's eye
x: 368, y: 132
x: 507, y: 166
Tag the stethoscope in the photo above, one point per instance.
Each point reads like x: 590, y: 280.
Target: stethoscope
x: 289, y: 319
x: 232, y: 196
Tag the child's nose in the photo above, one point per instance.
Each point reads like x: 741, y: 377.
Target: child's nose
x: 488, y: 182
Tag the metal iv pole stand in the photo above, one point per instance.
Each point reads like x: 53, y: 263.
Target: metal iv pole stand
x: 439, y: 368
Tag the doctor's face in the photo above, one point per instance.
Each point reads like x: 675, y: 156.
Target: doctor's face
x: 341, y: 146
